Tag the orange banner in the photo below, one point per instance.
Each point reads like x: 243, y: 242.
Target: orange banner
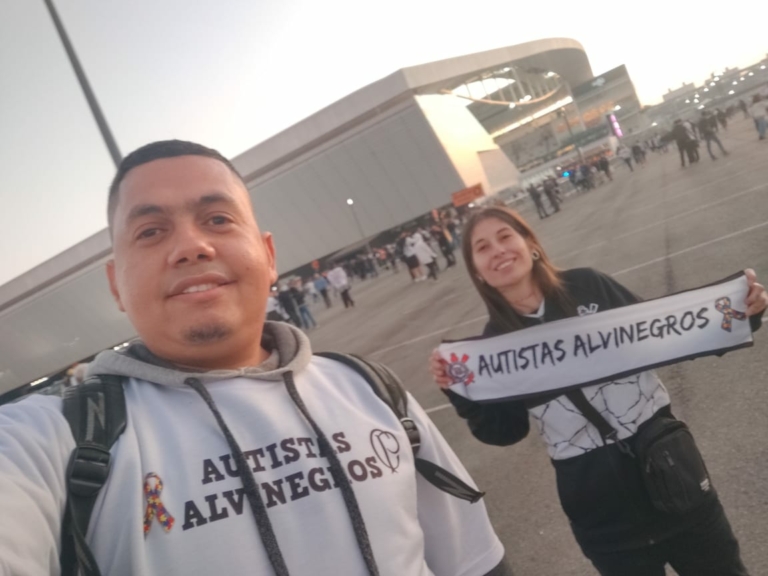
x: 467, y: 195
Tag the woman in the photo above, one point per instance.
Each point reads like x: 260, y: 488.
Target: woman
x: 411, y: 259
x: 424, y: 253
x: 601, y: 489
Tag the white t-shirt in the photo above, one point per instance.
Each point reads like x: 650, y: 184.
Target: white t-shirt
x: 415, y: 529
x: 338, y: 278
x: 758, y: 109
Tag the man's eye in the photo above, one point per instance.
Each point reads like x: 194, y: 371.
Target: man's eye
x: 218, y: 220
x: 148, y: 233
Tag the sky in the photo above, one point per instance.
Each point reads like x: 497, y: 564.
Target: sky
x: 231, y: 73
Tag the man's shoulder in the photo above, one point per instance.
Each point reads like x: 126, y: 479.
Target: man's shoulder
x: 37, y: 405
x: 38, y: 418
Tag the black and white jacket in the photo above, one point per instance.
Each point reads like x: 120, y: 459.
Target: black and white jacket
x: 600, y: 488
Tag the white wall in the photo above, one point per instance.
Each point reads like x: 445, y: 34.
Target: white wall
x: 392, y: 166
x: 463, y: 138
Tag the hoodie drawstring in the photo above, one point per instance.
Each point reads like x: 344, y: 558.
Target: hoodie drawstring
x: 339, y: 476
x: 267, y: 534
x: 264, y: 525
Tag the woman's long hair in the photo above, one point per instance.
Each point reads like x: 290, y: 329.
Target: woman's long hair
x: 545, y: 275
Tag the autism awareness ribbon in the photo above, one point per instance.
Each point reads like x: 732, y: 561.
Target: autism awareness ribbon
x: 723, y: 305
x: 155, y: 506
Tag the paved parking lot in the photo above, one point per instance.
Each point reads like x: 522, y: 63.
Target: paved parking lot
x: 658, y: 230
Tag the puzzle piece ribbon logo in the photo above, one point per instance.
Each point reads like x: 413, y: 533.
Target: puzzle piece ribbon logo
x: 153, y: 486
x: 723, y: 305
x: 458, y: 371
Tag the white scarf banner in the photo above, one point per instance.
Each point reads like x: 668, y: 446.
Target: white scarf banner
x: 601, y: 347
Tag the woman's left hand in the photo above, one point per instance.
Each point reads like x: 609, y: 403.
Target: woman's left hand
x: 757, y: 297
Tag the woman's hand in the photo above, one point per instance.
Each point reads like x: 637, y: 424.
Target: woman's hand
x: 437, y: 369
x: 757, y: 297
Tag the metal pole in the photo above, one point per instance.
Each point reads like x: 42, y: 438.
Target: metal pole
x: 359, y: 227
x: 568, y: 125
x: 106, y: 134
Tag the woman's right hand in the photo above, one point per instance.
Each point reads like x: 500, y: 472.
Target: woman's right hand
x: 437, y: 369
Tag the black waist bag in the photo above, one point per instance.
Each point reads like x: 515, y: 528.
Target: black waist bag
x: 674, y: 472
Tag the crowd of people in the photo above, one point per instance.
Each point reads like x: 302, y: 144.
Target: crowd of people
x: 583, y: 176
x: 416, y: 248
x: 688, y: 134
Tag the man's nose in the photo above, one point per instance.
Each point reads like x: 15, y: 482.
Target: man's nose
x: 191, y: 245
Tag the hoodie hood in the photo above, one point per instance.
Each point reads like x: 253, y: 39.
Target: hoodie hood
x: 290, y: 350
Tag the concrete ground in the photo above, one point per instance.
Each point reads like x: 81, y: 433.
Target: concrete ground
x: 657, y: 230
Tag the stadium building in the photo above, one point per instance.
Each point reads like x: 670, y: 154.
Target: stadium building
x: 413, y: 141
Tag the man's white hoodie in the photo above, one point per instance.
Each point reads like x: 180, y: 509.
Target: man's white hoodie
x: 172, y: 437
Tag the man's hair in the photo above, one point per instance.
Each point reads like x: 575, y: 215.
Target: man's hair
x: 157, y: 151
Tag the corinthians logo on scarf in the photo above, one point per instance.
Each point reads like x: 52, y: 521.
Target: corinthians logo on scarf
x: 601, y: 347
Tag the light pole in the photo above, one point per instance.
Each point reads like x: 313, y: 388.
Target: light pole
x: 351, y: 204
x: 562, y: 114
x: 106, y: 134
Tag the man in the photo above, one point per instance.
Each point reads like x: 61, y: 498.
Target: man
x: 550, y: 189
x: 684, y: 140
x: 274, y: 310
x: 321, y: 285
x: 340, y: 281
x: 299, y: 296
x: 535, y: 195
x: 707, y: 129
x: 219, y: 469
x: 624, y: 153
x: 605, y: 166
x: 289, y: 304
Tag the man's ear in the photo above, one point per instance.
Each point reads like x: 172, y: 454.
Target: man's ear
x: 113, y: 285
x: 269, y: 245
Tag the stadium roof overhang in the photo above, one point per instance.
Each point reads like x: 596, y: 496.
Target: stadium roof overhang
x: 61, y: 311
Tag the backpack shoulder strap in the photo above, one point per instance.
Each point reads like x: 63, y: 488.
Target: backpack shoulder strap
x: 96, y: 413
x: 388, y: 387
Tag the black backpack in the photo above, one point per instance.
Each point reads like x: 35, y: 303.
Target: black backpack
x: 97, y: 416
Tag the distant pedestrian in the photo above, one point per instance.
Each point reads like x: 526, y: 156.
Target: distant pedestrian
x: 604, y: 165
x: 339, y: 280
x: 310, y: 290
x: 686, y: 142
x: 758, y: 113
x: 285, y: 297
x: 624, y: 153
x: 453, y: 229
x: 321, y: 285
x: 409, y: 255
x: 638, y: 154
x: 722, y: 118
x: 549, y: 189
x: 743, y: 108
x: 445, y: 242
x: 274, y: 310
x: 707, y: 125
x: 305, y: 316
x: 426, y: 256
x: 535, y: 195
